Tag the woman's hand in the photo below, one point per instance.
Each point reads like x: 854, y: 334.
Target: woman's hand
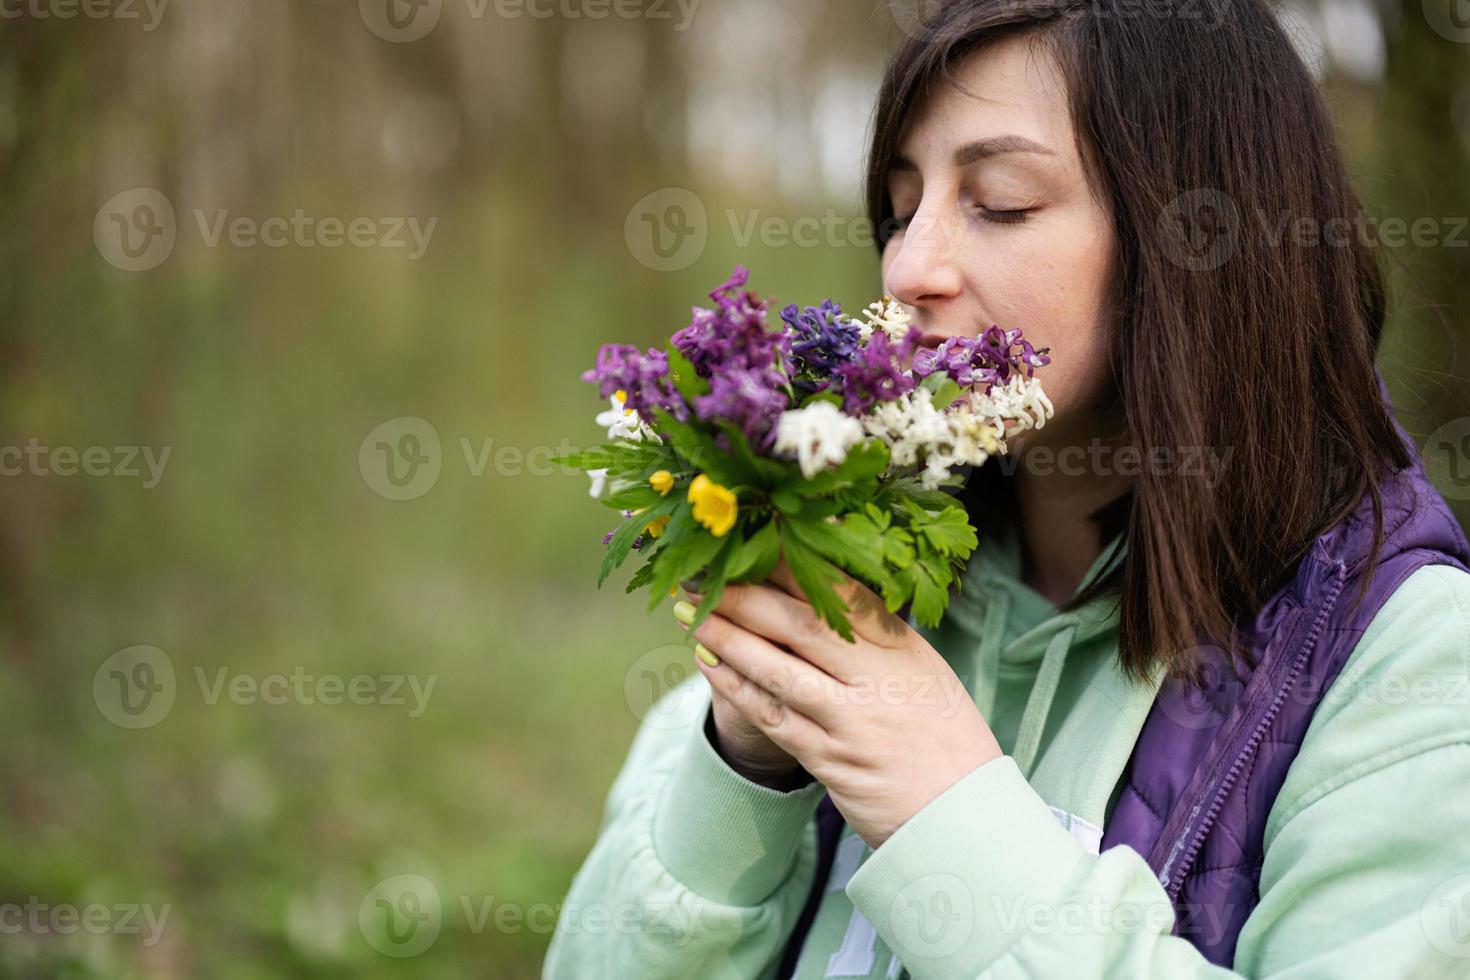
x: 750, y: 752
x: 883, y: 722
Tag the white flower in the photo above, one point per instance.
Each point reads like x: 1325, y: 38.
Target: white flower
x: 920, y: 435
x: 936, y: 472
x: 1021, y: 401
x: 820, y: 436
x: 599, y: 480
x: 911, y: 426
x: 888, y: 316
x: 623, y: 422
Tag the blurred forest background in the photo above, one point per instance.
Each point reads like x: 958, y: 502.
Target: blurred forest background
x: 547, y: 145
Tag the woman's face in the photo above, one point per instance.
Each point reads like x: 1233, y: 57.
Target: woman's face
x: 1000, y: 226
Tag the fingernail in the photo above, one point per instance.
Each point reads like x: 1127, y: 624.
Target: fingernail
x: 703, y: 653
x: 684, y: 612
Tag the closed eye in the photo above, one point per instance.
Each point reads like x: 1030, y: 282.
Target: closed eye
x: 1004, y: 217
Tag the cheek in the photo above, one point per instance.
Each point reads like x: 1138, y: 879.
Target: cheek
x: 1057, y: 292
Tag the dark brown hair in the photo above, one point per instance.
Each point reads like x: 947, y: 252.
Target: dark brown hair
x: 1189, y: 127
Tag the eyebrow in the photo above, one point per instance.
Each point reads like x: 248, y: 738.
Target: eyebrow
x: 980, y: 150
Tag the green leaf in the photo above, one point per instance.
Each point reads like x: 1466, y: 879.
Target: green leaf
x: 763, y: 470
x: 816, y: 576
x: 634, y: 454
x: 911, y: 489
x: 620, y: 545
x: 590, y: 459
x: 786, y: 502
x: 930, y: 599
x: 697, y: 449
x: 944, y: 391
x: 631, y: 495
x: 713, y: 586
x: 821, y: 396
x: 950, y: 533
x: 866, y: 460
x: 855, y: 545
x: 640, y: 578
x: 689, y: 552
x: 686, y: 379
x: 757, y: 555
x: 631, y: 529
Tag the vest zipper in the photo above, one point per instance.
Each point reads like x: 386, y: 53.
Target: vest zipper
x: 1172, y: 874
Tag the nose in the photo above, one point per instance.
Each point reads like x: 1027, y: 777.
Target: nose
x: 921, y: 267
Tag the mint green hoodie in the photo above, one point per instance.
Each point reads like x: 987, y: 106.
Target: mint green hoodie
x: 700, y: 873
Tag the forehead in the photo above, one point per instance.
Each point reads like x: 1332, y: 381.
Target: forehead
x: 1010, y: 87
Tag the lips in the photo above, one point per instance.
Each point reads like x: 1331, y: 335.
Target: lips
x: 934, y: 340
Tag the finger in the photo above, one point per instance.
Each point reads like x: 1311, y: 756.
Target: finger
x: 787, y: 621
x: 787, y: 677
x: 792, y: 731
x: 867, y: 612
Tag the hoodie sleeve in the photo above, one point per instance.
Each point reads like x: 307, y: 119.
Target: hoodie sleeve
x: 696, y: 871
x: 1367, y: 863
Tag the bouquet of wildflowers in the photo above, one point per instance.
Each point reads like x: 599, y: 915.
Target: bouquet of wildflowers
x: 827, y: 441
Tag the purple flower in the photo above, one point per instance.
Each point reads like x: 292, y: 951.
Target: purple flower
x: 989, y: 359
x: 878, y: 375
x: 637, y: 542
x: 645, y: 377
x: 733, y: 335
x: 752, y: 398
x: 822, y: 342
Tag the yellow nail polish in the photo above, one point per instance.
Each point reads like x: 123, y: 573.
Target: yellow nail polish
x: 684, y: 612
x: 703, y: 653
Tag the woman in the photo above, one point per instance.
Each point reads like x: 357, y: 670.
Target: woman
x: 1200, y: 708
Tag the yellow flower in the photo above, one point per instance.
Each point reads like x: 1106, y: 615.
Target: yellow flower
x: 714, y: 506
x: 662, y: 481
x: 656, y: 526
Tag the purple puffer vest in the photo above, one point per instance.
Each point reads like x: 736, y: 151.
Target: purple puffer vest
x: 1209, y: 763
